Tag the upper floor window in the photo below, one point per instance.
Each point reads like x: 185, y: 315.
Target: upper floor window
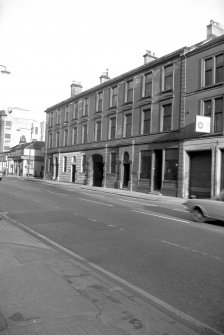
x: 66, y: 119
x: 129, y: 91
x: 114, y: 92
x: 166, y: 117
x: 214, y: 70
x: 84, y: 133
x: 213, y: 108
x: 36, y: 130
x: 146, y: 121
x: 50, y: 140
x: 98, y: 130
x: 8, y: 124
x: 127, y: 125
x: 65, y: 137
x: 99, y: 101
x: 168, y: 78
x: 57, y: 138
x: 81, y: 108
x: 58, y: 117
x: 76, y: 110
x: 112, y: 128
x: 86, y: 106
x: 147, y: 87
x: 74, y: 135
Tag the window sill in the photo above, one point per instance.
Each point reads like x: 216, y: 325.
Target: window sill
x: 212, y: 86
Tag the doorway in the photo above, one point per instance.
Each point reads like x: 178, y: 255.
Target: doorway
x: 126, y: 165
x: 73, y: 173
x: 56, y: 167
x: 98, y: 166
x: 200, y: 174
x: 158, y: 170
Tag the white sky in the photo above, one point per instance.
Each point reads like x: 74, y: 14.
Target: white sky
x: 46, y: 44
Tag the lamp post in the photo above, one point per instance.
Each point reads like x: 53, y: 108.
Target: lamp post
x: 5, y: 71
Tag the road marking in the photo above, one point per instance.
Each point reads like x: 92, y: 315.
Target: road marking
x: 93, y: 220
x: 142, y: 203
x: 124, y: 282
x: 193, y: 250
x: 96, y: 202
x: 162, y: 216
x: 180, y: 210
x: 95, y: 195
x: 63, y: 195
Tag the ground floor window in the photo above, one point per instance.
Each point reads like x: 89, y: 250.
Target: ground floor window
x: 171, y: 164
x: 145, y: 169
x: 64, y: 164
x: 113, y: 162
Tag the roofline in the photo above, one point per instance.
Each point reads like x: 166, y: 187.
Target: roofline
x: 119, y: 78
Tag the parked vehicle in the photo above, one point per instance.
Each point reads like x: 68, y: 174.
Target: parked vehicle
x: 205, y: 209
x: 1, y: 175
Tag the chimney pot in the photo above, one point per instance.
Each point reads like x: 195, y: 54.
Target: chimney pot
x: 149, y: 57
x: 76, y: 88
x: 104, y: 77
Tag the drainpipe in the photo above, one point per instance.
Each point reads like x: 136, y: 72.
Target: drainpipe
x: 105, y: 167
x: 132, y: 163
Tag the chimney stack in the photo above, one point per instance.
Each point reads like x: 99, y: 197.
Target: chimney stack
x: 104, y: 77
x: 76, y: 88
x: 149, y: 57
x: 214, y: 29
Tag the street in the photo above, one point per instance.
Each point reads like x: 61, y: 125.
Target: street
x: 152, y: 245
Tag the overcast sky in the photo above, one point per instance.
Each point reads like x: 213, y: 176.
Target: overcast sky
x: 46, y: 44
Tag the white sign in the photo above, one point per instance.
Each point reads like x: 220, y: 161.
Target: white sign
x: 203, y: 124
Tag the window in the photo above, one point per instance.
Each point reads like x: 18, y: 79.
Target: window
x: 112, y: 128
x: 98, y: 131
x: 100, y: 101
x: 145, y: 169
x: 8, y: 124
x: 113, y: 162
x: 81, y: 108
x: 147, y: 87
x: 66, y: 119
x: 65, y: 138
x: 58, y: 119
x: 50, y: 140
x: 114, y: 92
x: 76, y: 112
x: 129, y: 91
x: 168, y: 78
x: 171, y: 164
x: 64, y: 164
x: 214, y: 70
x: 74, y: 135
x: 71, y: 110
x: 36, y: 130
x: 166, y: 117
x: 57, y: 139
x: 7, y: 137
x: 83, y: 164
x: 84, y: 133
x: 86, y: 106
x: 213, y: 108
x: 146, y: 121
x: 128, y: 124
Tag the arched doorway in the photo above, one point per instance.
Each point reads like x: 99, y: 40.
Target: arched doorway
x: 56, y: 167
x: 126, y: 164
x: 73, y: 169
x: 97, y: 170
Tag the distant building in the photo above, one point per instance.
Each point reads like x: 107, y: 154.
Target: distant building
x: 138, y: 131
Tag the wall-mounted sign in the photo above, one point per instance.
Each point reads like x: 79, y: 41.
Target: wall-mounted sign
x: 203, y: 124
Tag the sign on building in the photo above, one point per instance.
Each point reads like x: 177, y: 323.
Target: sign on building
x: 203, y: 124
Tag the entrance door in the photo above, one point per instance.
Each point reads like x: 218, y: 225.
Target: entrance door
x: 98, y: 170
x: 126, y: 176
x: 200, y: 174
x: 56, y: 167
x: 158, y: 170
x: 73, y: 173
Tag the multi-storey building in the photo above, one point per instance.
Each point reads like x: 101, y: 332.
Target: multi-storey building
x: 137, y: 131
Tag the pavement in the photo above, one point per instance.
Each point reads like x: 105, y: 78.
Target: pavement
x: 46, y: 290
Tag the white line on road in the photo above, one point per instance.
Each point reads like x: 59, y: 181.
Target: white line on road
x: 96, y: 202
x: 193, y: 250
x: 180, y: 210
x: 136, y: 202
x: 63, y: 195
x: 162, y: 216
x: 95, y: 195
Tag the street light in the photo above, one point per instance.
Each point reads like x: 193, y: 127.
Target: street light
x: 4, y: 71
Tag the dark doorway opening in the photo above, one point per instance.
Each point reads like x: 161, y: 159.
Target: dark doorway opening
x: 98, y: 170
x: 158, y: 170
x: 200, y: 174
x: 56, y: 168
x: 73, y: 173
x: 126, y: 176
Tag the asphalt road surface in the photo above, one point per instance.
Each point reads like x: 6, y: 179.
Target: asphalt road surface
x: 153, y: 245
